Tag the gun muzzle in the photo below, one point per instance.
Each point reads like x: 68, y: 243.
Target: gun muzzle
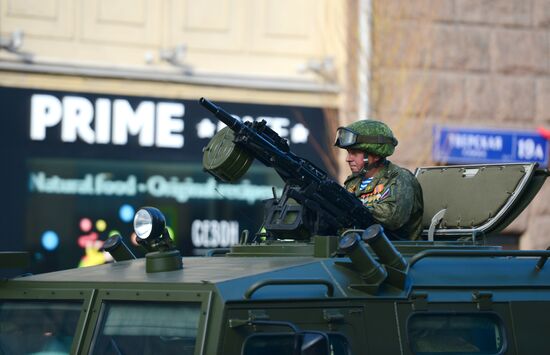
x: 220, y: 113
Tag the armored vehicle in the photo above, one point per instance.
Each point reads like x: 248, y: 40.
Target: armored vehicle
x: 304, y: 284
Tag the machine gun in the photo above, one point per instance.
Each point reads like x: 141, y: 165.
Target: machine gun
x: 311, y: 204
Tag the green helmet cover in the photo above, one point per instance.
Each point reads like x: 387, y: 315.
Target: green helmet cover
x: 373, y: 128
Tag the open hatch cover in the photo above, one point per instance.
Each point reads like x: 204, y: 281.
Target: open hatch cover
x: 471, y: 200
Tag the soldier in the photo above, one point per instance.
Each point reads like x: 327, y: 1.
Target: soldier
x: 391, y: 193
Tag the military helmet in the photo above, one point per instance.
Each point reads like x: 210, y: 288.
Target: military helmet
x: 372, y: 137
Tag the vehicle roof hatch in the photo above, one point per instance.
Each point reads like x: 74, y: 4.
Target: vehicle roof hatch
x: 473, y: 200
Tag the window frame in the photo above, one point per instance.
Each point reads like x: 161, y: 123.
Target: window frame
x: 494, y: 315
x: 105, y: 296
x: 26, y: 294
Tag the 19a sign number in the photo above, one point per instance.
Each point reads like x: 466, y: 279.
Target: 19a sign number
x: 529, y: 149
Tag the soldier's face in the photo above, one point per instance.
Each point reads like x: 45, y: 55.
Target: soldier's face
x: 355, y: 160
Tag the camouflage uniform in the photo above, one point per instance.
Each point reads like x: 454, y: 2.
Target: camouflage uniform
x: 394, y: 197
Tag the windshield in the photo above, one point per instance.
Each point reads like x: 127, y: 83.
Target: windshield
x: 38, y: 327
x: 147, y: 328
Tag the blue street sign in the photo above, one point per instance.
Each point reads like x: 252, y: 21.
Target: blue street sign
x: 459, y: 145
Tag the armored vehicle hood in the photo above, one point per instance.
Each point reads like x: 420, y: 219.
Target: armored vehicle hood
x: 357, y: 293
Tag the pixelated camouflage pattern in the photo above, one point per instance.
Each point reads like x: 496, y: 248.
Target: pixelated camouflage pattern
x: 394, y: 198
x: 372, y: 128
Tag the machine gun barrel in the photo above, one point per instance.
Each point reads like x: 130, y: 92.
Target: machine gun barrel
x: 309, y: 185
x: 261, y: 140
x: 220, y: 113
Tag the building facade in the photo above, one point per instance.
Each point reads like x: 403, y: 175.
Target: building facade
x: 100, y: 100
x: 468, y: 63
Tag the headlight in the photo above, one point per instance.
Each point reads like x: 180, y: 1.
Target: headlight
x: 153, y: 236
x: 149, y: 222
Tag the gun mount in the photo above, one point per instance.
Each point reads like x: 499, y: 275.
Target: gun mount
x: 311, y: 204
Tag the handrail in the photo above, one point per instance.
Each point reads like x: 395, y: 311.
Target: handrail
x: 476, y: 253
x: 273, y: 323
x: 258, y: 285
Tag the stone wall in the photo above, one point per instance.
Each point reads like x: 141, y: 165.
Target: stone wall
x: 474, y: 63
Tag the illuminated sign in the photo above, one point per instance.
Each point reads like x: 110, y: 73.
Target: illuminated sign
x: 469, y: 145
x: 80, y: 165
x: 155, y: 124
x: 181, y: 190
x: 214, y: 233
